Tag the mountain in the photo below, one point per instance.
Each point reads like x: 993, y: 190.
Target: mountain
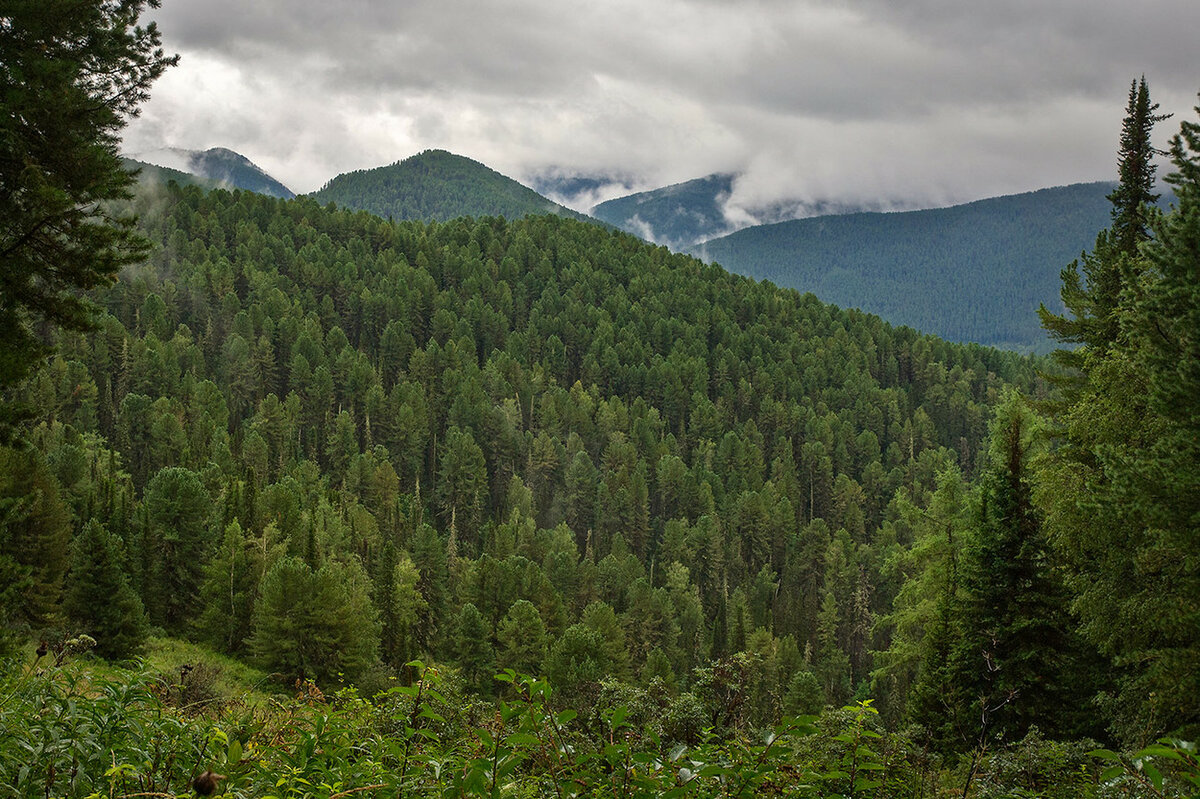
x: 437, y: 185
x: 153, y: 173
x: 677, y: 215
x: 221, y: 165
x: 685, y: 214
x: 973, y: 272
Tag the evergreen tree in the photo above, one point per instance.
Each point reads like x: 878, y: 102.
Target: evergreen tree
x: 317, y: 625
x: 1120, y: 495
x: 74, y: 71
x: 229, y: 591
x: 1111, y: 266
x: 475, y: 654
x: 1017, y: 662
x: 522, y: 637
x: 98, y: 600
x: 1134, y: 198
x: 175, y: 542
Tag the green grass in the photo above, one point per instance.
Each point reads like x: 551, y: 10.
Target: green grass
x: 226, y: 678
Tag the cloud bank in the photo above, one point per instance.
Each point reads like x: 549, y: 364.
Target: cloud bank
x: 920, y: 102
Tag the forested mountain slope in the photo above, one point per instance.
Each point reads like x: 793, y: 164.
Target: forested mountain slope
x: 438, y: 437
x: 222, y: 166
x: 436, y: 185
x: 974, y: 272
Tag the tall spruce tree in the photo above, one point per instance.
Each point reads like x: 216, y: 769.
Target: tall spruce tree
x: 1092, y: 303
x: 1018, y: 661
x: 1121, y: 495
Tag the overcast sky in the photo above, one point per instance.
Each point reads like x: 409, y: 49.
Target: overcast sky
x: 927, y: 101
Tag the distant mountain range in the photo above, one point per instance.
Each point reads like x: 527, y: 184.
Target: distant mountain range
x: 685, y: 214
x: 437, y: 185
x: 222, y: 166
x: 973, y: 272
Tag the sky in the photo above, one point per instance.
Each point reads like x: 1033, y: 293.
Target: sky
x: 905, y: 102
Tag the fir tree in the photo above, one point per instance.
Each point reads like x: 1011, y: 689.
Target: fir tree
x: 1110, y: 268
x: 98, y: 600
x: 476, y: 656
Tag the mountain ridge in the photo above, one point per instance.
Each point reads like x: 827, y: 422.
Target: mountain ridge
x: 970, y: 272
x: 219, y: 164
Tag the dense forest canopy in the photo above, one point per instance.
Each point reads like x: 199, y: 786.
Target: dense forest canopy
x: 973, y: 272
x: 436, y: 185
x: 416, y: 463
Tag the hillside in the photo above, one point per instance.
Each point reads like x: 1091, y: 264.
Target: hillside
x: 436, y: 185
x: 222, y: 166
x: 974, y: 272
x: 452, y: 432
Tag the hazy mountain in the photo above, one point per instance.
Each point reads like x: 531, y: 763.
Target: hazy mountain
x: 153, y: 173
x: 687, y: 213
x: 973, y: 272
x: 437, y: 185
x: 579, y: 191
x: 218, y: 164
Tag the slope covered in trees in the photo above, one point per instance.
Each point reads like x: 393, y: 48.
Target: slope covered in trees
x: 436, y: 185
x: 290, y: 411
x: 972, y: 272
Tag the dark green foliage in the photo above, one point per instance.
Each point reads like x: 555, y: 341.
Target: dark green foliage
x: 972, y: 272
x: 1120, y: 494
x: 540, y: 410
x: 1017, y: 663
x: 74, y: 70
x: 35, y: 529
x: 1093, y: 303
x: 230, y: 589
x: 1134, y: 198
x: 316, y: 624
x: 522, y: 637
x: 436, y: 185
x: 175, y: 546
x: 98, y: 600
x: 474, y: 651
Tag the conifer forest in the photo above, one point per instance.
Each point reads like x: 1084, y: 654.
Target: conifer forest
x: 301, y: 501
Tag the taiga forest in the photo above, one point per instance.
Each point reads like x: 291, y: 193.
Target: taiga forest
x: 419, y: 486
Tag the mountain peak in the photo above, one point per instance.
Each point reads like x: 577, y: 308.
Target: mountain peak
x: 436, y: 184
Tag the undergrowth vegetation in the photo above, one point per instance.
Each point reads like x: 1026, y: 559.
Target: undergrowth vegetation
x: 80, y: 728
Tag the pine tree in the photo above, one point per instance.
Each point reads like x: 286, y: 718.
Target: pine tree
x: 522, y: 637
x: 98, y: 600
x: 74, y: 71
x: 229, y: 591
x: 1120, y: 496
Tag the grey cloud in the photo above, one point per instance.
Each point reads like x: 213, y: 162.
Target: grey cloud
x: 928, y: 99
